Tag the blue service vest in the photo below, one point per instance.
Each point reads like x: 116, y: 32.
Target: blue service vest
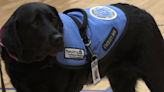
x: 103, y: 22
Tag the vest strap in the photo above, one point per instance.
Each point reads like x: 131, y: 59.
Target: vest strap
x: 82, y: 28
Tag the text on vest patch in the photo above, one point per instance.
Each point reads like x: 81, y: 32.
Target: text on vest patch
x: 108, y: 42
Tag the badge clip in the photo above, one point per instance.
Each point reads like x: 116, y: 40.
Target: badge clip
x: 94, y: 65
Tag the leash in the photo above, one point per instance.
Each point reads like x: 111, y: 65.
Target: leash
x: 2, y: 82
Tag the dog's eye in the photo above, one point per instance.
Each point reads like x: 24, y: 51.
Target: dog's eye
x: 54, y: 21
x: 35, y: 23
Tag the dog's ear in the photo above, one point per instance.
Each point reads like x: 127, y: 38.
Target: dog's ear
x: 56, y: 13
x: 10, y: 37
x: 11, y: 40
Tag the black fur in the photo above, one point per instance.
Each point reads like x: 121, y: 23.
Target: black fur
x: 140, y: 54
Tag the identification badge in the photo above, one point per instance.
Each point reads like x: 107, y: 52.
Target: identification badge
x: 74, y: 53
x: 95, y: 72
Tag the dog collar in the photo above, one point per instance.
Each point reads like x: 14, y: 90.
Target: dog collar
x: 14, y: 57
x: 53, y: 55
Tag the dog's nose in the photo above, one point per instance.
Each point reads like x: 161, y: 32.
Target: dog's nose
x: 57, y: 39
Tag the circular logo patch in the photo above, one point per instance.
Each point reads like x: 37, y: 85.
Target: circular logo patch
x: 102, y: 12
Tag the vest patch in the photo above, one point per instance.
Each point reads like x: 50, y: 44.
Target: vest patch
x: 74, y: 53
x: 102, y: 12
x: 110, y: 39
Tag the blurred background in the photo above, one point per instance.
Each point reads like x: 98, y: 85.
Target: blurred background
x: 154, y: 7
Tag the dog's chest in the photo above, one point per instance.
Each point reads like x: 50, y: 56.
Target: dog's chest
x: 105, y: 25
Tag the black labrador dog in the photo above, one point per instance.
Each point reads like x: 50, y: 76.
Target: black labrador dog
x: 34, y: 32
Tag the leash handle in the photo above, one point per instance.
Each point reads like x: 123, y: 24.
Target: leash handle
x: 83, y: 26
x: 85, y: 22
x: 2, y: 82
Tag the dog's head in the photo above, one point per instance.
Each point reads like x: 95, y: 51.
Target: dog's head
x: 33, y: 32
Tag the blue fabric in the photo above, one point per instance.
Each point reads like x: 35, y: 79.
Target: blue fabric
x: 97, y: 29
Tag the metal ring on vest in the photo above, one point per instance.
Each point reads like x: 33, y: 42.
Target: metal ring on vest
x: 88, y: 44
